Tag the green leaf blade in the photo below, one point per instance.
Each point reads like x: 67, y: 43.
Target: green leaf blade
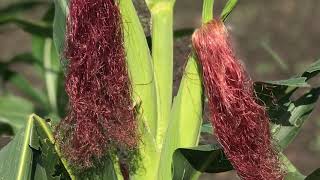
x: 207, y: 128
x: 231, y: 4
x: 14, y: 111
x: 15, y: 158
x: 59, y: 26
x: 299, y: 112
x: 186, y: 117
x: 314, y: 175
x: 143, y: 87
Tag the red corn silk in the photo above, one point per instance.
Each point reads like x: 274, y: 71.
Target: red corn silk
x: 240, y: 123
x: 101, y: 116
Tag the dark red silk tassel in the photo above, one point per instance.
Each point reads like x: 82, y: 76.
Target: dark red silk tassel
x: 101, y: 117
x: 240, y: 123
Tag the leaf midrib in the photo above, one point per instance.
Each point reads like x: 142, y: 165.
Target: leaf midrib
x: 23, y: 155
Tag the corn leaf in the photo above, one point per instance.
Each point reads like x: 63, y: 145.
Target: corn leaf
x: 38, y: 28
x: 206, y: 128
x: 45, y: 160
x: 288, y: 116
x: 139, y: 64
x: 182, y: 169
x: 51, y: 72
x: 314, y: 175
x: 14, y: 111
x: 25, y: 58
x: 25, y: 87
x: 31, y: 154
x: 186, y: 117
x: 282, y: 88
x: 46, y: 54
x: 231, y: 4
x: 20, y: 7
x: 292, y: 172
x: 211, y: 159
x: 12, y: 14
x: 9, y: 76
x: 206, y: 158
x: 293, y: 82
x: 15, y: 158
x: 141, y: 75
x: 291, y: 117
x: 59, y: 26
x: 312, y: 71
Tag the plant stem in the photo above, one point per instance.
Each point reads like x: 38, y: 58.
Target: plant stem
x: 162, y: 53
x: 207, y: 11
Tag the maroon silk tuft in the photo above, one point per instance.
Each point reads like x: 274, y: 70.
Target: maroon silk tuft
x: 101, y: 116
x: 240, y: 123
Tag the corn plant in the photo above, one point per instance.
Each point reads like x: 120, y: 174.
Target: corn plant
x: 169, y: 128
